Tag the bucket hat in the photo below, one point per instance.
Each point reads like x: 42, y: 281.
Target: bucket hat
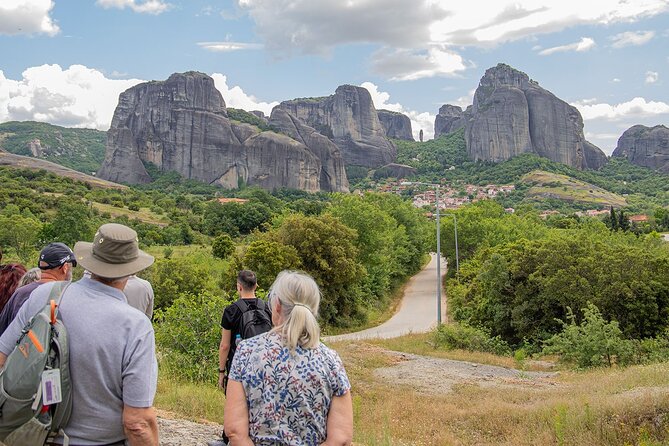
x: 114, y: 252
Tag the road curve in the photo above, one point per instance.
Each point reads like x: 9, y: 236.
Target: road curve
x: 417, y: 312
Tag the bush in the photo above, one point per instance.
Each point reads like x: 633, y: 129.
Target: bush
x: 464, y: 337
x: 223, y: 246
x: 593, y: 343
x: 173, y: 277
x: 188, y: 334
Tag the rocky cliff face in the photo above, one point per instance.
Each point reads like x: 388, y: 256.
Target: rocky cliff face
x: 449, y: 119
x: 645, y: 146
x: 396, y: 125
x: 333, y: 173
x: 349, y: 119
x: 512, y: 114
x: 182, y: 125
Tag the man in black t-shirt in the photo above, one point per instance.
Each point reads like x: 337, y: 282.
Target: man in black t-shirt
x: 231, y: 322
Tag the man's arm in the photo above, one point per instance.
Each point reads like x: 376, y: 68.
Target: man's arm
x: 237, y: 415
x: 3, y: 358
x: 340, y: 421
x: 223, y: 350
x: 140, y: 425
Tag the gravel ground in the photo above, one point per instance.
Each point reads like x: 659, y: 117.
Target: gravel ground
x: 437, y: 376
x: 177, y: 432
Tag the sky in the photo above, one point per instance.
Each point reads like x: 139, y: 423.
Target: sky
x: 66, y: 61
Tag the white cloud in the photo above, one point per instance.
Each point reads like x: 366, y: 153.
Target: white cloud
x: 652, y: 77
x: 631, y: 38
x: 635, y: 108
x: 464, y: 101
x: 615, y: 79
x: 76, y: 97
x: 407, y: 65
x: 419, y: 120
x: 146, y: 6
x: 27, y: 17
x: 585, y: 44
x: 222, y: 47
x: 84, y: 97
x: 414, y: 28
x: 236, y: 98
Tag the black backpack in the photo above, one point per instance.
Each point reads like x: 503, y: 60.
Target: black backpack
x: 255, y: 318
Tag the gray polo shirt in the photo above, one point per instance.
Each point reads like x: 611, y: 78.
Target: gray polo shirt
x: 112, y: 357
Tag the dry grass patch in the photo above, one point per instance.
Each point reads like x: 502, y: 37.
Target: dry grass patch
x: 602, y: 407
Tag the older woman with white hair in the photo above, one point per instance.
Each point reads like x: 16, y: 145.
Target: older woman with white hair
x: 285, y: 387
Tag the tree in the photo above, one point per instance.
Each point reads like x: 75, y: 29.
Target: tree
x: 173, y: 277
x: 328, y: 253
x: 223, y: 246
x: 72, y: 223
x: 21, y: 233
x: 268, y: 258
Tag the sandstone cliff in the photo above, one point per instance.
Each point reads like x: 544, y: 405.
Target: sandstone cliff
x: 396, y: 125
x: 350, y: 120
x: 512, y: 114
x: 182, y: 125
x: 449, y: 119
x: 645, y: 146
x: 333, y: 173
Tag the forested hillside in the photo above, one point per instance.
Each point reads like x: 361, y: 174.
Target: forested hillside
x: 78, y: 149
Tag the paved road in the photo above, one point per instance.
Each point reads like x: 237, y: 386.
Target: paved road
x: 417, y: 312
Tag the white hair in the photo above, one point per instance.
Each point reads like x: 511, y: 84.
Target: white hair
x: 299, y: 296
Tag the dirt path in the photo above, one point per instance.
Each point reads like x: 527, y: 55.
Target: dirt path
x: 417, y: 312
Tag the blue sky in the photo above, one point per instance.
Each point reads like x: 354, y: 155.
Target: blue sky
x: 66, y: 61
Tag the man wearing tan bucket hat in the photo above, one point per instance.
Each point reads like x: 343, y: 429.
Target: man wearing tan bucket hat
x: 112, y: 347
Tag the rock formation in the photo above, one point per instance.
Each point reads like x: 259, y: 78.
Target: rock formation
x: 182, y: 125
x: 512, y: 114
x: 449, y: 119
x: 350, y: 120
x: 396, y: 125
x: 333, y: 173
x: 645, y: 146
x: 395, y: 171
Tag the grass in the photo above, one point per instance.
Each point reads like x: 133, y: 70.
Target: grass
x: 605, y: 407
x: 552, y: 185
x: 144, y: 214
x: 600, y: 407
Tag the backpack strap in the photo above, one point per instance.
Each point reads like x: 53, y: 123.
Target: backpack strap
x: 55, y: 296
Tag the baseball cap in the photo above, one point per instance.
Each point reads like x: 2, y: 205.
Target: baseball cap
x: 55, y: 255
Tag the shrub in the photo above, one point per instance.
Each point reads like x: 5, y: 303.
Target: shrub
x: 173, y: 277
x: 223, y: 246
x: 469, y: 338
x: 593, y: 343
x: 188, y: 334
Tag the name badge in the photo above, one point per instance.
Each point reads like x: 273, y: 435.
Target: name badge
x: 51, y: 392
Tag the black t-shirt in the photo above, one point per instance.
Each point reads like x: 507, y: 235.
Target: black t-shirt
x: 232, y: 318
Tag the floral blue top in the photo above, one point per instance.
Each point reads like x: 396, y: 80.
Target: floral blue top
x: 288, y: 395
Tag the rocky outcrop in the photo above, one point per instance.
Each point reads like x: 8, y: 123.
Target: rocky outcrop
x: 512, y: 114
x: 396, y: 125
x: 182, y: 125
x: 349, y: 119
x: 645, y: 146
x: 333, y: 172
x: 449, y: 119
x: 395, y: 171
x: 35, y: 147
